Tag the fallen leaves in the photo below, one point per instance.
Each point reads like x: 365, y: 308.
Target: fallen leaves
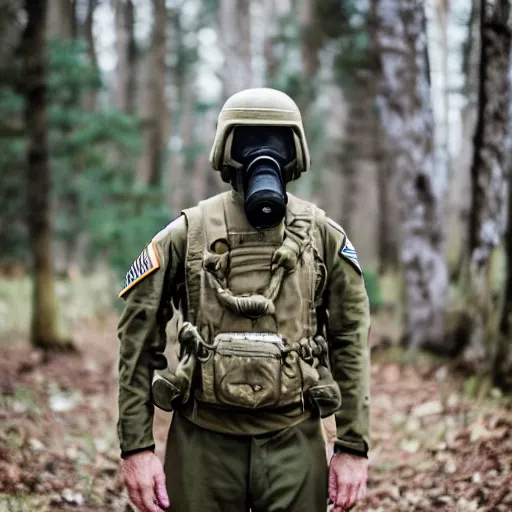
x: 432, y: 448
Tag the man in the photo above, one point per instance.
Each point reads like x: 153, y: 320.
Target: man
x: 274, y: 301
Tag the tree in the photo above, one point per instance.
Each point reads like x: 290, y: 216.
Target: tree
x: 126, y: 56
x: 44, y: 327
x: 150, y: 165
x: 86, y: 31
x: 405, y: 107
x: 235, y: 33
x: 488, y: 173
x: 503, y: 360
x: 459, y: 200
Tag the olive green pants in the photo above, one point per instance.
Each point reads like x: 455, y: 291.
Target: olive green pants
x: 285, y: 471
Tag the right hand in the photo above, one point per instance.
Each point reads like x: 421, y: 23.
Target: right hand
x: 144, y: 478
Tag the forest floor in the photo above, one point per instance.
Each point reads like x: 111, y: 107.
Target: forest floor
x: 434, y: 446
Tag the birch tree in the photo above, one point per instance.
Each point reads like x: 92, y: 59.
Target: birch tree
x: 503, y: 359
x: 488, y: 172
x: 405, y: 106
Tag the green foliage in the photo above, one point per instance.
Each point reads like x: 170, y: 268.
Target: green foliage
x: 92, y: 158
x: 13, y: 233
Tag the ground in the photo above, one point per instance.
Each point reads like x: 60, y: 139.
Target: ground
x: 434, y: 447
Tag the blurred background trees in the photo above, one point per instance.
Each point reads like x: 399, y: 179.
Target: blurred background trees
x: 106, y: 123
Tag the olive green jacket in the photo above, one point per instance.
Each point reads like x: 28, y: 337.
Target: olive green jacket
x: 159, y: 278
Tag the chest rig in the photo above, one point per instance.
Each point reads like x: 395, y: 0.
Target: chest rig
x: 242, y: 280
x: 250, y: 339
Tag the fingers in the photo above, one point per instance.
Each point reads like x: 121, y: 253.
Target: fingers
x: 135, y: 498
x: 149, y: 500
x: 143, y: 498
x: 342, y: 498
x: 161, y: 490
x: 361, y: 492
x: 347, y: 496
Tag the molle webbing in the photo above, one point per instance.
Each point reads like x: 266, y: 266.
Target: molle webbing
x: 209, y: 222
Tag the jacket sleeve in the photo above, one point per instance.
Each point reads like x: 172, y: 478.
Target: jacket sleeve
x: 348, y: 324
x: 149, y: 285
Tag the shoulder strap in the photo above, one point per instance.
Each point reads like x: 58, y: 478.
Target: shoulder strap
x: 300, y: 221
x: 193, y: 259
x: 203, y: 221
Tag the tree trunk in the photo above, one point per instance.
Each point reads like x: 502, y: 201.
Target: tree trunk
x: 62, y: 19
x: 503, y: 360
x: 405, y: 107
x: 149, y: 170
x: 488, y: 173
x: 150, y: 165
x: 271, y: 31
x: 126, y: 56
x: 311, y: 43
x: 460, y: 183
x: 44, y: 327
x: 90, y: 96
x: 235, y: 33
x: 388, y: 216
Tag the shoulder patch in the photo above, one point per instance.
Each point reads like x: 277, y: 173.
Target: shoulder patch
x: 348, y: 252
x: 145, y: 264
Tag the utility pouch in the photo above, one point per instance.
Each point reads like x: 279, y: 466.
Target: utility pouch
x: 325, y: 396
x: 170, y: 390
x: 165, y: 389
x: 250, y: 371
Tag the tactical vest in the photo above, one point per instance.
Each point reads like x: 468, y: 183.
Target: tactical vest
x: 241, y: 280
x: 251, y: 336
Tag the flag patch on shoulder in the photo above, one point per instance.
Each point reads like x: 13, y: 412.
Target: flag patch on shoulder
x: 348, y: 252
x: 145, y: 264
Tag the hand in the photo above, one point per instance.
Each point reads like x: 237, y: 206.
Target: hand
x: 144, y: 478
x: 347, y: 480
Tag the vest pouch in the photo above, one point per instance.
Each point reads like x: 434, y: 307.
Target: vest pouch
x: 245, y: 370
x: 325, y: 396
x: 165, y: 390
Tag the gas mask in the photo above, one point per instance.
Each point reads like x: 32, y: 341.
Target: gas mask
x: 259, y: 155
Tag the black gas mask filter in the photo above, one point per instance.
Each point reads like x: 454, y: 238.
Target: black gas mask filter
x: 263, y: 153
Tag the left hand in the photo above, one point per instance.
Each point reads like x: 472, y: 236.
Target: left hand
x: 347, y: 480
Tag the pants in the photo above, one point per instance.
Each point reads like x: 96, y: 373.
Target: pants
x: 284, y: 471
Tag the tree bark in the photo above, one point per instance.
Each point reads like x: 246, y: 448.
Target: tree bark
x: 311, y: 42
x: 405, y: 105
x: 44, y: 326
x: 235, y: 33
x: 150, y: 165
x: 62, y: 19
x: 271, y: 32
x: 90, y: 97
x: 488, y: 174
x: 126, y: 56
x: 503, y: 361
x: 460, y: 183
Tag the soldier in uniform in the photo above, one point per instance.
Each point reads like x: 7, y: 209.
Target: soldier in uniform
x: 275, y: 338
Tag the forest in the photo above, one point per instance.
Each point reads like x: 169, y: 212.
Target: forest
x: 108, y: 111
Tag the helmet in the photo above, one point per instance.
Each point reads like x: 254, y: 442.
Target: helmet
x: 258, y: 107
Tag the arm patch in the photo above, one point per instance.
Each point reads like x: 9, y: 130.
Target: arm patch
x: 348, y: 252
x: 145, y: 264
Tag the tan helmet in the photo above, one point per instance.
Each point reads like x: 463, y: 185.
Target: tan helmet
x: 258, y: 107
